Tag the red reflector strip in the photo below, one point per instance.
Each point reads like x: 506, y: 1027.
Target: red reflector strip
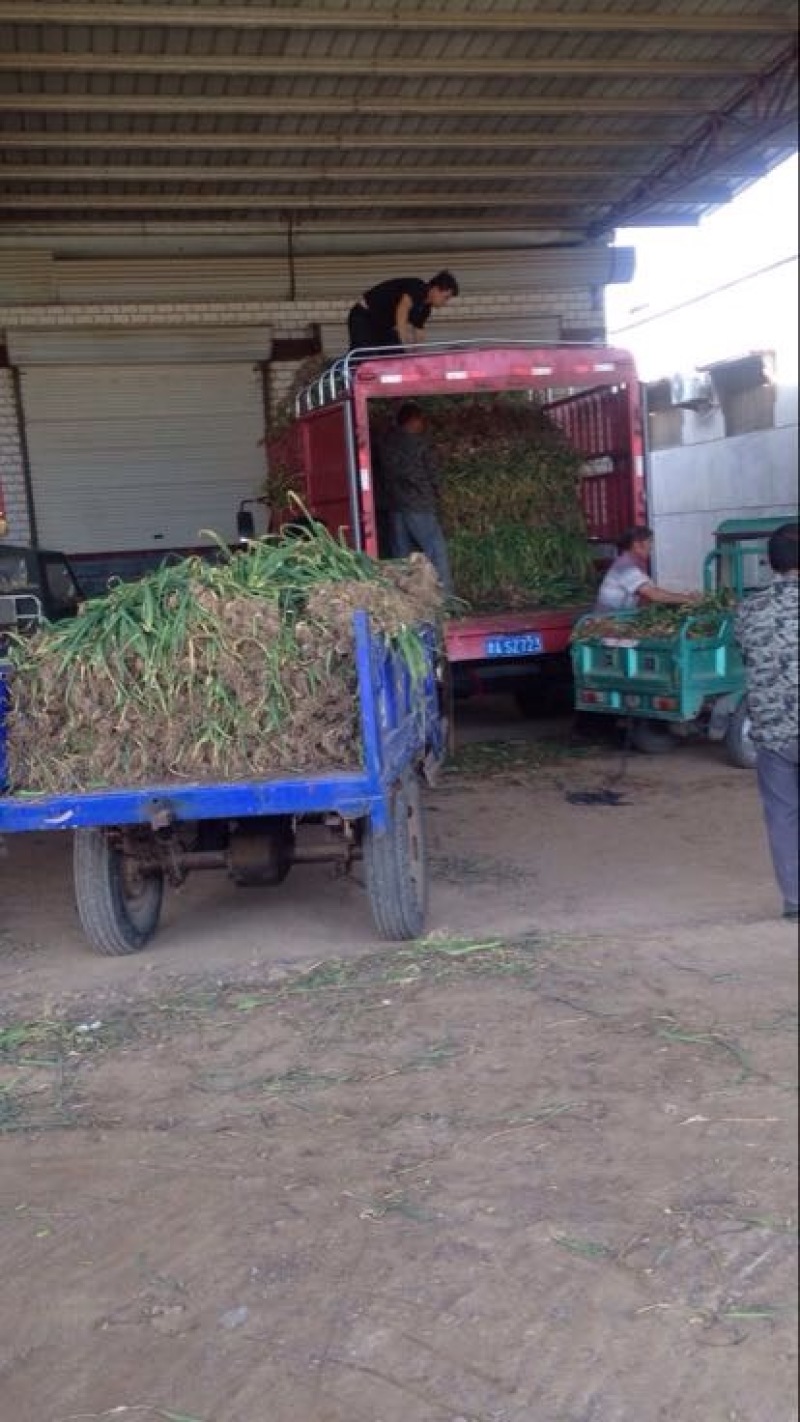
x: 665, y: 703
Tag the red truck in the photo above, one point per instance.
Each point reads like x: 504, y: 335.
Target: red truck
x: 593, y: 394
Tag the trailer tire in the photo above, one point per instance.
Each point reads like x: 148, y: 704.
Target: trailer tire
x: 395, y: 865
x: 738, y: 740
x: 119, y: 907
x: 648, y: 741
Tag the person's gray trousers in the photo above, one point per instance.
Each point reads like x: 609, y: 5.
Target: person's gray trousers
x: 779, y: 781
x: 417, y: 530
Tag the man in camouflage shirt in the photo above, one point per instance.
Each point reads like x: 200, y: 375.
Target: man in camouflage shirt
x: 767, y: 632
x: 410, y: 480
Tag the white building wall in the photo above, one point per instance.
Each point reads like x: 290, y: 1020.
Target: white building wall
x: 708, y: 478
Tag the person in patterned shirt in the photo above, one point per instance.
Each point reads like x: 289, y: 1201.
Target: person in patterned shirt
x: 767, y: 632
x: 411, y: 485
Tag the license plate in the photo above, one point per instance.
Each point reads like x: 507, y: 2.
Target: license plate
x: 525, y: 645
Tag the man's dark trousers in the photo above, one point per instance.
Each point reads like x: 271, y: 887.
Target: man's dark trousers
x: 779, y: 781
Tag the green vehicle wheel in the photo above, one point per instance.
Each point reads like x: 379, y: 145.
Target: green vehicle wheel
x: 739, y: 743
x: 652, y: 738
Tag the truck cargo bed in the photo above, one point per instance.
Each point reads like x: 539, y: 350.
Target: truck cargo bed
x: 591, y: 393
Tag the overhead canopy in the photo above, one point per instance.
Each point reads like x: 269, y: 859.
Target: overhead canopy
x: 563, y: 120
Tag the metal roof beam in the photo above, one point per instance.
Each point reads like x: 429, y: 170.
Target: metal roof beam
x: 344, y: 67
x: 208, y: 106
x: 293, y: 142
x: 285, y: 202
x: 764, y: 109
x: 55, y: 172
x: 240, y: 17
x: 348, y: 212
x: 40, y: 232
x: 559, y: 227
x: 180, y: 143
x: 496, y: 173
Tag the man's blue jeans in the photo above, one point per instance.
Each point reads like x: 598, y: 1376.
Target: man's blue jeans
x: 416, y: 531
x: 778, y: 780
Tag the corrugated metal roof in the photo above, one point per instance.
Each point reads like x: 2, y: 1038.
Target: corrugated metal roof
x: 564, y: 119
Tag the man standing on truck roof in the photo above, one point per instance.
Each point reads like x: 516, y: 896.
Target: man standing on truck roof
x: 627, y: 585
x: 394, y: 312
x: 767, y: 632
x: 410, y: 481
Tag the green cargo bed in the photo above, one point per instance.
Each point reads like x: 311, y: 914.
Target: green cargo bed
x: 669, y: 679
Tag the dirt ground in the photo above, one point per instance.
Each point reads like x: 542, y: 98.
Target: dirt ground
x: 537, y: 1168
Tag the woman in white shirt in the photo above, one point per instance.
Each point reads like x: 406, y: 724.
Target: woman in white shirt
x: 627, y: 585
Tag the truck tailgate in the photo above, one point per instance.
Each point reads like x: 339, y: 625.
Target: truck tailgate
x: 492, y: 636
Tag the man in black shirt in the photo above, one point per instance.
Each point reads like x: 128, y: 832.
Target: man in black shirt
x: 394, y: 312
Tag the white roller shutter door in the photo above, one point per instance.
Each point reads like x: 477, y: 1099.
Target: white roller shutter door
x: 144, y: 456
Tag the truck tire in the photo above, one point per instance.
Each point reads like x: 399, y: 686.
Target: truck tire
x: 119, y: 906
x: 738, y: 742
x: 395, y: 865
x: 651, y: 738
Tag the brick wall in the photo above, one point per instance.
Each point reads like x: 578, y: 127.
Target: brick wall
x: 281, y: 375
x: 12, y: 478
x: 573, y: 307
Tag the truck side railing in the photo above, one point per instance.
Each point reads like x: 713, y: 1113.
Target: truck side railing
x: 336, y: 381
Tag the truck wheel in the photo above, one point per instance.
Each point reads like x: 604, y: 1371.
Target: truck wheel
x: 396, y: 868
x: 119, y: 904
x: 651, y: 738
x: 738, y: 741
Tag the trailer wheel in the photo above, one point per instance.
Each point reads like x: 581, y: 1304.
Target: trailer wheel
x: 119, y: 904
x: 650, y: 738
x: 738, y: 740
x: 396, y: 868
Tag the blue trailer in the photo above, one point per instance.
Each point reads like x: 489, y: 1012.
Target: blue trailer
x: 129, y: 843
